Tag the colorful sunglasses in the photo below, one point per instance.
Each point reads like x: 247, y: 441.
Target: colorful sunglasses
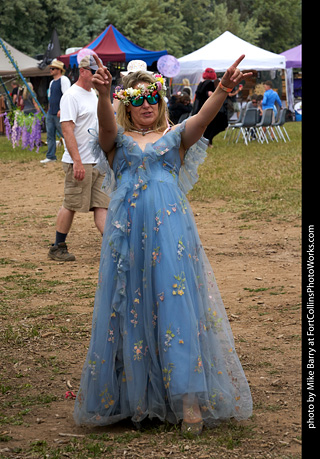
x: 152, y: 100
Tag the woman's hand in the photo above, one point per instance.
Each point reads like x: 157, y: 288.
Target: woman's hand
x: 233, y: 75
x: 102, y: 79
x: 196, y: 124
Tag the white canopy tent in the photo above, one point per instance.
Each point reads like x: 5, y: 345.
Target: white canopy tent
x: 221, y: 53
x: 27, y: 65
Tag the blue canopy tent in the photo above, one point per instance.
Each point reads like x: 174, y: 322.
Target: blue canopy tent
x: 112, y: 46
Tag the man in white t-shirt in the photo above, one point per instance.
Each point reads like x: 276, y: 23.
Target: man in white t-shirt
x: 83, y: 182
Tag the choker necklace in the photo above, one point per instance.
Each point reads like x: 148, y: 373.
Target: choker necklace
x: 142, y: 132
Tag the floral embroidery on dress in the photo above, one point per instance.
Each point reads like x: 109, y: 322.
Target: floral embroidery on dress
x: 134, y: 321
x: 183, y: 204
x: 154, y: 318
x: 158, y: 221
x: 167, y: 374
x: 156, y: 256
x: 158, y: 323
x: 92, y: 366
x: 161, y: 296
x: 179, y: 286
x: 199, y: 366
x: 111, y: 336
x: 173, y: 207
x: 213, y: 322
x: 137, y: 350
x: 168, y: 338
x: 144, y: 237
x: 106, y: 398
x: 181, y: 248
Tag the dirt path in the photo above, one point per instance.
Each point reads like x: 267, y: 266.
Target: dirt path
x: 46, y: 321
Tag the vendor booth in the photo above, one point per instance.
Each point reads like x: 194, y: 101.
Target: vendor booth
x: 294, y: 80
x: 112, y: 46
x: 220, y: 53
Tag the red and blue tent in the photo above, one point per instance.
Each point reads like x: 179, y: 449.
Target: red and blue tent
x: 112, y: 46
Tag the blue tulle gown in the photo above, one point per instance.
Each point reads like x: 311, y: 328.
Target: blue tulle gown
x: 159, y: 329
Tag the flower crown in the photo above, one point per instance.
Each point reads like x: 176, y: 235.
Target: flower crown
x: 126, y: 95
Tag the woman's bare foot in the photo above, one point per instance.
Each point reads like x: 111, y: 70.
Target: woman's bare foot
x: 191, y: 409
x: 192, y: 423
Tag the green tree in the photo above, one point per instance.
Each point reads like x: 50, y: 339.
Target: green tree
x: 151, y: 24
x: 21, y: 26
x: 214, y: 18
x: 281, y: 20
x: 180, y: 26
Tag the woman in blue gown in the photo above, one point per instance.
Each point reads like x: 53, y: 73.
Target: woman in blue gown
x: 161, y: 344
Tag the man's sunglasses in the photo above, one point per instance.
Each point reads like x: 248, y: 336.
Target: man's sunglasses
x: 152, y: 100
x: 92, y: 71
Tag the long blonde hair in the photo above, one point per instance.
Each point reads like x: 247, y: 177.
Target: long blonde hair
x: 25, y: 93
x: 123, y: 117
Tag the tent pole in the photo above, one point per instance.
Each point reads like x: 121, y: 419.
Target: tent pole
x: 6, y: 91
x: 21, y: 76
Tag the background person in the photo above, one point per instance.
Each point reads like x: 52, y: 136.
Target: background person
x: 15, y: 91
x: 186, y: 87
x: 29, y: 104
x: 270, y: 98
x: 58, y: 86
x: 83, y: 182
x: 204, y: 91
x: 180, y: 105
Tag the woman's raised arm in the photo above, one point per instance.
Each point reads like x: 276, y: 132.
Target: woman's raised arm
x: 196, y: 125
x: 102, y: 80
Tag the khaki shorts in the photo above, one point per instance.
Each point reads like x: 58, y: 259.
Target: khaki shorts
x: 84, y: 195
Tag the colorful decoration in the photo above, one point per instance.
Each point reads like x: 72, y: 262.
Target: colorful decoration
x: 168, y: 65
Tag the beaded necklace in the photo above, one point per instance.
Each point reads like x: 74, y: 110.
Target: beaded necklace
x: 143, y: 132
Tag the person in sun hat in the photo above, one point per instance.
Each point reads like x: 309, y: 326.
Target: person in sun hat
x: 83, y: 182
x: 135, y: 66
x: 58, y: 86
x: 161, y: 344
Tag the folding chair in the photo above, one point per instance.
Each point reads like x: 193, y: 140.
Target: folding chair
x: 266, y: 122
x: 231, y: 122
x: 280, y: 123
x: 247, y: 125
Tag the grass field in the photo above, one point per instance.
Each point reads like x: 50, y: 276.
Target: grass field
x: 259, y: 180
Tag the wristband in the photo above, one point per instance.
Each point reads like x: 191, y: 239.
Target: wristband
x: 224, y: 88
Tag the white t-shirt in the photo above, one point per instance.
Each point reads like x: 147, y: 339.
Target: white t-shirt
x: 80, y: 106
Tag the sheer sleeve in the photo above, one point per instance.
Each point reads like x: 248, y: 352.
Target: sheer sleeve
x: 102, y: 164
x: 195, y: 155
